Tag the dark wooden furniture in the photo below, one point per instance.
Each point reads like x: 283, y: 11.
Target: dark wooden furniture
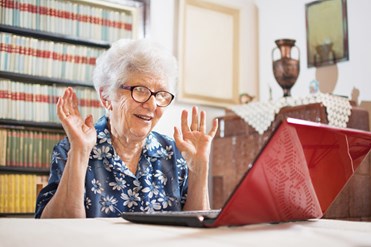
x: 237, y: 143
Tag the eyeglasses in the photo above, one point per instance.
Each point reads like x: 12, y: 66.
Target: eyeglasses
x: 142, y: 94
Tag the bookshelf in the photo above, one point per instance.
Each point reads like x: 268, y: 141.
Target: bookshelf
x: 45, y: 46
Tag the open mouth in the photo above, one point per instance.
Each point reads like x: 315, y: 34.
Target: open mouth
x: 144, y: 117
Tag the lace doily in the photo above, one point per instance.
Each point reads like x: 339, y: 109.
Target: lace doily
x: 260, y: 115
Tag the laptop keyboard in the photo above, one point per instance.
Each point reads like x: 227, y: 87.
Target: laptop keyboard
x: 205, y: 213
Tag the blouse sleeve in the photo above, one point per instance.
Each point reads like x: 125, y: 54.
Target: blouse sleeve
x: 58, y: 162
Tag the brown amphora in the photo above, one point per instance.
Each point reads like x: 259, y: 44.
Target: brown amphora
x: 286, y: 68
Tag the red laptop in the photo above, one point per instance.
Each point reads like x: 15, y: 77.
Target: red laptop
x: 296, y: 176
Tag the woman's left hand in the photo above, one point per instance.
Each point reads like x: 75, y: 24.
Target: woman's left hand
x: 193, y: 142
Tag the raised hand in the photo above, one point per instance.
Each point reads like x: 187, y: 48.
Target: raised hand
x: 80, y: 132
x: 193, y: 142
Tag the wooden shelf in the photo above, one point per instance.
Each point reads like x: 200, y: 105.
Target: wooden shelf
x: 53, y: 36
x: 30, y: 125
x: 17, y: 215
x: 42, y: 79
x: 24, y: 170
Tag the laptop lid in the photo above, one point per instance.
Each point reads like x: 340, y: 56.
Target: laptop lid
x: 297, y: 174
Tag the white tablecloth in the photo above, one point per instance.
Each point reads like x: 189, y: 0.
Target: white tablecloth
x: 260, y: 115
x: 105, y: 232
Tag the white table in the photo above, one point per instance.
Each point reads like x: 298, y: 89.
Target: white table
x: 112, y: 232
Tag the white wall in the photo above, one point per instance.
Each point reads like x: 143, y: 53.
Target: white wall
x: 164, y: 30
x: 281, y: 19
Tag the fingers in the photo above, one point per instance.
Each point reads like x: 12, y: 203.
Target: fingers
x: 176, y: 134
x: 88, y: 123
x: 198, y: 123
x: 67, y: 104
x: 184, y: 121
x: 60, y: 112
x: 214, y: 128
x: 194, y: 122
x: 202, y: 121
x: 73, y: 102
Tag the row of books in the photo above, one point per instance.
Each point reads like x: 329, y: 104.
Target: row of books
x: 18, y: 192
x: 47, y: 58
x: 27, y: 148
x: 36, y: 102
x: 69, y: 18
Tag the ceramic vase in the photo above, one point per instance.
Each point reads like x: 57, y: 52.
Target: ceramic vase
x: 286, y: 68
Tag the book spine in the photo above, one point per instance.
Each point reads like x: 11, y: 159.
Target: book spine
x: 8, y: 147
x: 46, y: 58
x: 3, y: 146
x: 11, y: 148
x: 16, y: 149
x: 31, y: 162
x: 21, y: 152
x: 23, y: 193
x: 10, y: 193
x: 33, y: 185
x: 69, y: 18
x: 17, y: 193
x: 2, y: 193
x: 30, y: 194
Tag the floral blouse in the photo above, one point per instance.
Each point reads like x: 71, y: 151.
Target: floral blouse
x: 160, y: 182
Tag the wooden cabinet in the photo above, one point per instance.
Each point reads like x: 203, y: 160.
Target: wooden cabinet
x: 236, y: 144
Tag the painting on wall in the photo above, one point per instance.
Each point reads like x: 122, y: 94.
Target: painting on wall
x: 327, y: 32
x: 217, y: 52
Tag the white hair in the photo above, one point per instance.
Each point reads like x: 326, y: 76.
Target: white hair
x: 125, y: 57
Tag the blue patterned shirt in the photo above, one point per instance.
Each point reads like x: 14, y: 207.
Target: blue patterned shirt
x: 160, y: 182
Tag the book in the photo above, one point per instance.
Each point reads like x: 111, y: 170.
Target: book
x: 3, y: 186
x: 23, y: 192
x: 3, y: 141
x: 10, y: 201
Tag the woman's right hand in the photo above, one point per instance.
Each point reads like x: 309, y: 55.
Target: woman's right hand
x: 81, y: 133
x: 68, y: 200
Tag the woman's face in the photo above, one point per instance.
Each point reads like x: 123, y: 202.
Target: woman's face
x: 130, y: 119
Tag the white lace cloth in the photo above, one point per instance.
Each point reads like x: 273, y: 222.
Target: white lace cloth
x: 260, y: 115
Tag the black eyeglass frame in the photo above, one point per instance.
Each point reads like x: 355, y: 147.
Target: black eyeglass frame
x: 131, y: 89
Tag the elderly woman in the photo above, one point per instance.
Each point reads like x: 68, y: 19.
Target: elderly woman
x: 120, y: 164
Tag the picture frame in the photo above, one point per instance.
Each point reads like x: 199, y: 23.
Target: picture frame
x: 327, y: 32
x: 217, y: 52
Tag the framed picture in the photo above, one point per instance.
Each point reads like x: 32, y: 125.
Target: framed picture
x: 327, y: 32
x: 217, y: 52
